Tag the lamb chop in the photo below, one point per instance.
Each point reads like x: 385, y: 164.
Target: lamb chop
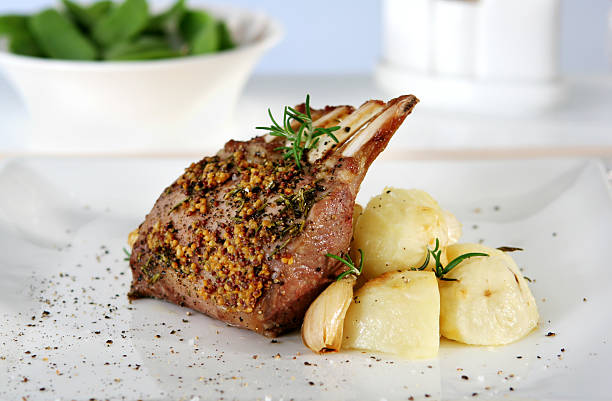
x: 242, y: 236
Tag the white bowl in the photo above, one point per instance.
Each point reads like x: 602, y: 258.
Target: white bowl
x: 140, y: 106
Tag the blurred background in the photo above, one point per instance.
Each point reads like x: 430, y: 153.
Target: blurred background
x: 347, y: 38
x: 492, y: 75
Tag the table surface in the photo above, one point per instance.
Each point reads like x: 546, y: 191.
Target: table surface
x: 581, y: 127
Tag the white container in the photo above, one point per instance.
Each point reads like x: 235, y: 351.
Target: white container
x: 489, y: 56
x: 517, y: 40
x: 140, y: 106
x: 407, y: 34
x: 454, y: 43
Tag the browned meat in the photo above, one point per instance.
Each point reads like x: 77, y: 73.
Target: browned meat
x: 242, y: 236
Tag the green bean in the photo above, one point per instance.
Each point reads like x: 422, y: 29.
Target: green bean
x: 122, y: 23
x: 87, y: 17
x: 199, y: 29
x: 168, y: 20
x: 59, y: 38
x: 225, y: 37
x: 143, y: 48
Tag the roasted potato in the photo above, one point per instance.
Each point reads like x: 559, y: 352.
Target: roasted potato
x: 490, y: 303
x: 396, y: 228
x: 398, y: 313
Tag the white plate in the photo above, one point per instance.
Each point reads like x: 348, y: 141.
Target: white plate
x: 63, y: 223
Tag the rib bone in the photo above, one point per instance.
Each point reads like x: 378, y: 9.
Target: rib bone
x: 349, y: 125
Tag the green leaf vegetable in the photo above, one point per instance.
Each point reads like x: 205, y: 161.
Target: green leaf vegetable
x: 346, y: 259
x: 440, y: 270
x: 122, y: 23
x: 168, y: 20
x: 15, y: 29
x: 225, y: 37
x: 59, y: 38
x: 87, y: 16
x: 143, y: 48
x: 302, y: 139
x: 13, y: 24
x: 200, y: 31
x: 105, y: 30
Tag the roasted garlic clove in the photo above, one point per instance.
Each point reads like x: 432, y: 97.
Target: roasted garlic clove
x: 132, y: 237
x: 324, y: 321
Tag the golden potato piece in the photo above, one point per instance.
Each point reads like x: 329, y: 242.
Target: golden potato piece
x: 490, y: 304
x: 397, y: 313
x: 396, y: 228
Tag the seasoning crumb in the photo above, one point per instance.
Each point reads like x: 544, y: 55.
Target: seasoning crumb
x: 519, y: 357
x: 551, y: 334
x: 255, y: 356
x: 474, y: 394
x: 307, y: 363
x: 464, y: 377
x: 277, y: 356
x: 109, y: 341
x: 511, y: 389
x: 311, y: 383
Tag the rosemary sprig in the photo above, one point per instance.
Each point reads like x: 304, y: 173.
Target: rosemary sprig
x: 128, y: 254
x: 301, y: 140
x: 352, y: 268
x: 440, y: 270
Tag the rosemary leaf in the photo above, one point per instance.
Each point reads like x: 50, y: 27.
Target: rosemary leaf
x: 128, y: 254
x: 301, y: 140
x: 346, y: 259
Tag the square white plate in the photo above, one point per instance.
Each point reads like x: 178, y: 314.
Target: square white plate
x: 67, y: 330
